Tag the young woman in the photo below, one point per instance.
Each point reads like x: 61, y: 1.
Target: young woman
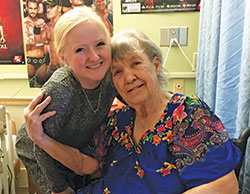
x: 82, y: 94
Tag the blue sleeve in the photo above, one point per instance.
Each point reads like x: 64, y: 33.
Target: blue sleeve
x: 218, y: 161
x: 201, y: 147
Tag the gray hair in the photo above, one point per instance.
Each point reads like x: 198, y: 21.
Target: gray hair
x: 134, y: 41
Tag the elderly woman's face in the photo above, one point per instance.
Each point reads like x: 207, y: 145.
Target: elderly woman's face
x: 135, y: 77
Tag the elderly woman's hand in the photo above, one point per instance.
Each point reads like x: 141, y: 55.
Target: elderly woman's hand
x: 34, y: 119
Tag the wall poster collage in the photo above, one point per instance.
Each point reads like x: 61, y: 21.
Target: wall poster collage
x: 156, y: 6
x: 11, y: 34
x: 40, y: 17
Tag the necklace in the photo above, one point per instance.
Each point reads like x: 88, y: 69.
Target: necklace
x: 99, y: 100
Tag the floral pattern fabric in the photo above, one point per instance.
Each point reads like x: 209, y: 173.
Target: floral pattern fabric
x: 187, y: 147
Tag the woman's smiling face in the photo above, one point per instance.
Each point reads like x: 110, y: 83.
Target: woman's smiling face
x: 135, y: 77
x: 87, y: 52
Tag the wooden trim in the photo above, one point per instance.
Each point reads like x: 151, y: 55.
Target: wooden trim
x: 173, y: 75
x: 15, y: 101
x: 15, y: 76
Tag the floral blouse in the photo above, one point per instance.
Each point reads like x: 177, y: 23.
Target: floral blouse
x: 187, y: 147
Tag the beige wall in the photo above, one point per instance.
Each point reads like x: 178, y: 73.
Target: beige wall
x: 150, y: 24
x: 14, y: 85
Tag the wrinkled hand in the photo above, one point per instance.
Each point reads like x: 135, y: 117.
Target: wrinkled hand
x: 34, y: 118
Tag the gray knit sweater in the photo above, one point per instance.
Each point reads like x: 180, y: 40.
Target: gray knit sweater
x: 74, y: 122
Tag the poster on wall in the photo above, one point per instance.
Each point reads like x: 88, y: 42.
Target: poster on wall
x: 11, y: 34
x: 40, y: 17
x: 156, y: 6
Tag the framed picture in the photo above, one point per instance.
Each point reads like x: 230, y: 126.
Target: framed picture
x: 11, y: 33
x: 155, y: 6
x: 40, y: 18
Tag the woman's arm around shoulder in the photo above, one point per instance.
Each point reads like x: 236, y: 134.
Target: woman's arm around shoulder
x: 68, y: 156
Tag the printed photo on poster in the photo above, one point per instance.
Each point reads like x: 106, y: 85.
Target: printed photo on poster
x: 40, y: 17
x: 11, y: 33
x: 155, y: 6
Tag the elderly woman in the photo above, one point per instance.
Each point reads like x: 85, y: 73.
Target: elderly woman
x: 161, y: 142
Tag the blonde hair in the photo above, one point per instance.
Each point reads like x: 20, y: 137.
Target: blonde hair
x: 71, y: 19
x: 133, y: 41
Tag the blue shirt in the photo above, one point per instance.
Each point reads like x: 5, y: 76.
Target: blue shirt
x: 187, y: 147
